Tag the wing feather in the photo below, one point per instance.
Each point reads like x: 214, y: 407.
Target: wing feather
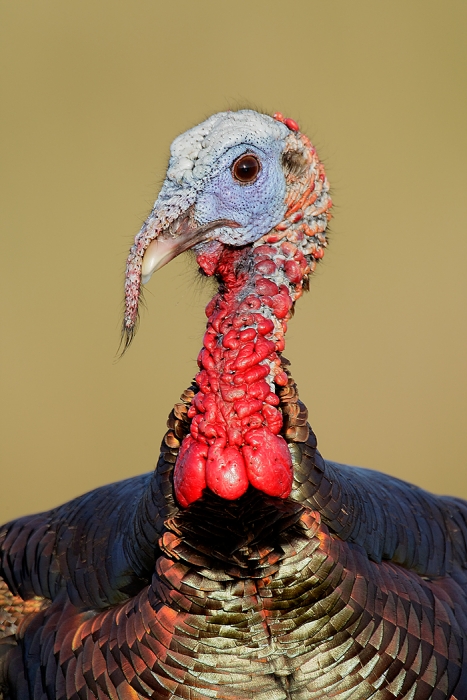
x: 390, y: 518
x: 86, y: 545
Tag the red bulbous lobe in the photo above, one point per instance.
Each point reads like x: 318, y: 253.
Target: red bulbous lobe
x: 190, y: 474
x: 226, y: 471
x: 293, y: 271
x: 268, y: 462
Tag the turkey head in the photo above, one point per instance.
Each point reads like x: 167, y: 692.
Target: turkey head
x: 249, y: 195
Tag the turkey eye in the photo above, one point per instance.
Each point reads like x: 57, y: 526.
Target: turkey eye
x: 246, y: 169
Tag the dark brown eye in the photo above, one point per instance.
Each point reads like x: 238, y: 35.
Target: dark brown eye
x: 246, y: 169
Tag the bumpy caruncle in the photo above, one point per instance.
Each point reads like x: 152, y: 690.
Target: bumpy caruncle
x: 235, y: 436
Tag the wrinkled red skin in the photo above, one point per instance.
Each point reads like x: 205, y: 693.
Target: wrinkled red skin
x: 190, y: 471
x: 234, y: 437
x: 267, y: 460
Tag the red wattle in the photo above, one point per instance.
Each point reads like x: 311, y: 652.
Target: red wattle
x: 235, y: 426
x: 268, y: 462
x: 190, y: 474
x: 226, y: 472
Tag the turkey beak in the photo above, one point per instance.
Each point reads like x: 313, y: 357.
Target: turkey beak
x: 160, y: 240
x: 182, y: 234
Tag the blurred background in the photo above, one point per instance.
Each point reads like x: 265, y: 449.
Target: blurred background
x: 93, y: 93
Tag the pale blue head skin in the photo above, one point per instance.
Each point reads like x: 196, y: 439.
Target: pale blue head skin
x: 257, y: 207
x: 202, y: 204
x: 200, y: 173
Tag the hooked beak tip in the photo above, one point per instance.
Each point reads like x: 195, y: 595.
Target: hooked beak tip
x: 158, y: 253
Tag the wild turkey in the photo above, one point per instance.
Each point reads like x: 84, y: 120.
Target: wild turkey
x: 245, y: 565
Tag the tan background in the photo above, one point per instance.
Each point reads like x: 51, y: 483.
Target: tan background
x: 94, y: 92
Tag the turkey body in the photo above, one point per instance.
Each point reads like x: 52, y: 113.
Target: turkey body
x: 264, y: 597
x: 245, y: 565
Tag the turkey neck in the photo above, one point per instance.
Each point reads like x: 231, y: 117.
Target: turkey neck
x: 235, y: 430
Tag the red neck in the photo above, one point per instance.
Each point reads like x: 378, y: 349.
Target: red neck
x: 235, y: 423
x: 235, y: 430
